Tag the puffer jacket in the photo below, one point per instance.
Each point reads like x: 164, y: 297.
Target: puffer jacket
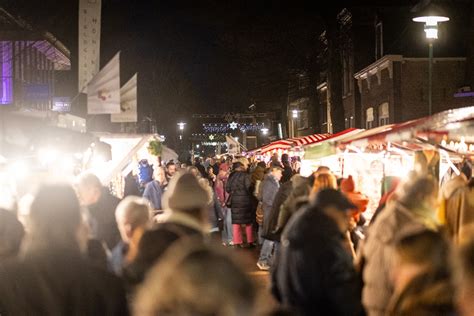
x: 241, y: 199
x: 378, y: 253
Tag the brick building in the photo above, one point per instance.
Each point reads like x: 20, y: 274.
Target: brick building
x: 395, y: 88
x: 385, y: 66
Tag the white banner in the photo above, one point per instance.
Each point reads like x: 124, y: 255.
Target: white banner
x: 103, y: 91
x: 89, y: 41
x: 128, y: 103
x: 233, y: 146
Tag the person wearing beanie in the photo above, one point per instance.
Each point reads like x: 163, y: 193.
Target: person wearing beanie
x: 186, y: 205
x: 360, y: 201
x: 357, y: 198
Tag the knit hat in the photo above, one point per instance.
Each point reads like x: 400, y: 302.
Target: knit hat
x: 347, y: 185
x: 185, y: 193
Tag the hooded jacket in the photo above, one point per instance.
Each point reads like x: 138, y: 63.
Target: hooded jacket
x: 378, y: 252
x: 314, y: 274
x: 241, y: 203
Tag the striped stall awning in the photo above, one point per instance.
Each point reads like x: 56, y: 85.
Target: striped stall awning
x: 310, y: 139
x: 287, y: 144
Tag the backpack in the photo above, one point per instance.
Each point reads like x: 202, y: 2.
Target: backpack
x: 145, y: 172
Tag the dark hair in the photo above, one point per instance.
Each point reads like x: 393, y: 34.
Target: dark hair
x: 284, y: 158
x: 55, y: 215
x: 11, y: 234
x: 237, y: 165
x: 262, y: 164
x: 170, y: 163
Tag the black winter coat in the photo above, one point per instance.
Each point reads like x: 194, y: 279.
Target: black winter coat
x: 314, y: 274
x: 241, y: 203
x: 103, y: 212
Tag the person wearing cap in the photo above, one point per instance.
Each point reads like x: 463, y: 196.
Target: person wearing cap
x: 186, y: 205
x: 314, y: 273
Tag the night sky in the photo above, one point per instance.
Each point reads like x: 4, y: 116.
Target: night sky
x: 193, y: 56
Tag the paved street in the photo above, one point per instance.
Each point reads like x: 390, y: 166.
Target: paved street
x: 248, y: 259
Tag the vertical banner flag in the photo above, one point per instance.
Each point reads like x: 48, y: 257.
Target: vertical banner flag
x: 89, y: 41
x: 103, y: 91
x: 128, y: 103
x: 233, y: 146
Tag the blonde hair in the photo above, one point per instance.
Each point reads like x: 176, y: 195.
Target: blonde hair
x: 324, y: 181
x: 195, y: 279
x: 204, y: 183
x: 135, y: 209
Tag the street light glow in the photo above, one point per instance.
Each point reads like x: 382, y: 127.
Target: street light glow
x: 264, y: 131
x: 431, y: 24
x: 181, y: 125
x: 295, y: 113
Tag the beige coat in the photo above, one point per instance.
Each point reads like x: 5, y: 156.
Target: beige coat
x: 377, y: 253
x: 459, y: 208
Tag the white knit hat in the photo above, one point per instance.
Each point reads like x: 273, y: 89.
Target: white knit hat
x: 185, y: 193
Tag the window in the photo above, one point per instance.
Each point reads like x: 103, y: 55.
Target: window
x: 378, y: 40
x: 384, y: 114
x: 6, y: 72
x: 369, y: 122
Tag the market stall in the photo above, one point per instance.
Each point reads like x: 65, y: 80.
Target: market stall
x: 127, y: 150
x: 294, y: 146
x: 432, y: 144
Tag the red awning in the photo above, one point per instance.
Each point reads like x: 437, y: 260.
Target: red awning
x: 286, y: 144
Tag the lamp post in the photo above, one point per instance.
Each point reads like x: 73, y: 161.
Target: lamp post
x: 431, y: 16
x: 294, y: 115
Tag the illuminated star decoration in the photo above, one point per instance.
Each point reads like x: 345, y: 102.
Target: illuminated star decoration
x: 211, y: 137
x: 233, y: 125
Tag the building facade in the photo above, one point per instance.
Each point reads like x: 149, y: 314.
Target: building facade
x: 29, y: 63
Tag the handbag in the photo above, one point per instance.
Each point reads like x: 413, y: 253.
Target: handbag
x: 259, y: 214
x: 228, y: 200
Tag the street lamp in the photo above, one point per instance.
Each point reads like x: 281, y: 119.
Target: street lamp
x: 264, y: 131
x: 295, y: 114
x: 431, y: 16
x: 181, y: 125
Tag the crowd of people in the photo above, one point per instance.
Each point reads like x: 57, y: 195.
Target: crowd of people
x: 168, y: 247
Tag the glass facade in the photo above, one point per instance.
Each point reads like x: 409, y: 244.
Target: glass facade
x: 6, y: 64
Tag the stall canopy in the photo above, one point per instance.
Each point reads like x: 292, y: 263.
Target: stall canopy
x: 287, y: 144
x: 451, y: 130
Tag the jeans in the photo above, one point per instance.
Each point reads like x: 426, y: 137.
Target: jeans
x: 227, y: 234
x: 260, y: 238
x: 266, y: 253
x: 238, y: 236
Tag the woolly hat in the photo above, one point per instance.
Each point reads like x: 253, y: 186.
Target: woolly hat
x: 185, y: 193
x: 347, y: 185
